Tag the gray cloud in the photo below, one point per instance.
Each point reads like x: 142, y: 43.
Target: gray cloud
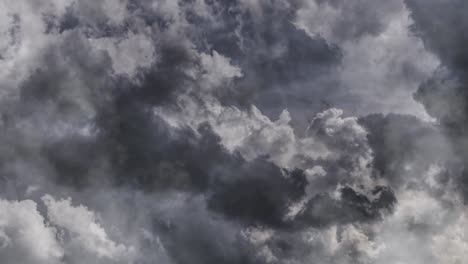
x: 206, y: 132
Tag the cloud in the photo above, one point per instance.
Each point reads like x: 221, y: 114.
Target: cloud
x: 232, y: 132
x: 128, y: 54
x: 344, y: 158
x: 383, y: 62
x: 85, y: 232
x: 338, y: 20
x: 25, y: 237
x: 404, y: 147
x: 432, y: 24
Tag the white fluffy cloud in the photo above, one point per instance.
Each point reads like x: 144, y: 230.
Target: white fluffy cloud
x: 128, y: 54
x: 85, y: 231
x: 23, y: 37
x: 249, y: 132
x: 216, y: 70
x: 25, y: 237
x: 68, y: 234
x: 383, y: 62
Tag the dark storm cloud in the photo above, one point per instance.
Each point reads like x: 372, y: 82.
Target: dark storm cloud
x: 442, y: 26
x: 322, y: 210
x: 69, y: 68
x: 76, y: 86
x: 443, y: 96
x: 280, y: 62
x: 261, y: 195
x: 66, y: 90
x: 81, y: 124
x: 194, y: 235
x: 399, y: 141
x: 137, y: 148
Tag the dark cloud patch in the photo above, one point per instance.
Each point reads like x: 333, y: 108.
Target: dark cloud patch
x: 168, y: 77
x: 48, y: 121
x: 444, y: 97
x: 197, y: 236
x: 76, y: 161
x: 75, y: 88
x: 353, y: 207
x: 289, y: 246
x: 149, y: 155
x: 401, y: 143
x: 71, y: 73
x: 282, y: 65
x: 442, y: 27
x: 68, y: 21
x: 260, y: 196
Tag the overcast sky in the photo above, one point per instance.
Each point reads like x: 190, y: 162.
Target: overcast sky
x: 233, y: 131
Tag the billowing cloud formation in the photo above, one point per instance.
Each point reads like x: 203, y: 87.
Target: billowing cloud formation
x: 69, y: 233
x: 85, y: 233
x: 246, y: 131
x: 22, y: 227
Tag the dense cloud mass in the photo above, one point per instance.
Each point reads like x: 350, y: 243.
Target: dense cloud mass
x: 233, y: 131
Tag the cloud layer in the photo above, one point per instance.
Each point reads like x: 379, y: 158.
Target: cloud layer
x: 246, y: 131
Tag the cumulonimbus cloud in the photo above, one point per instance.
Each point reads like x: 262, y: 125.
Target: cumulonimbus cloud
x: 246, y: 131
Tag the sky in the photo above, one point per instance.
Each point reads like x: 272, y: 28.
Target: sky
x: 233, y: 131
